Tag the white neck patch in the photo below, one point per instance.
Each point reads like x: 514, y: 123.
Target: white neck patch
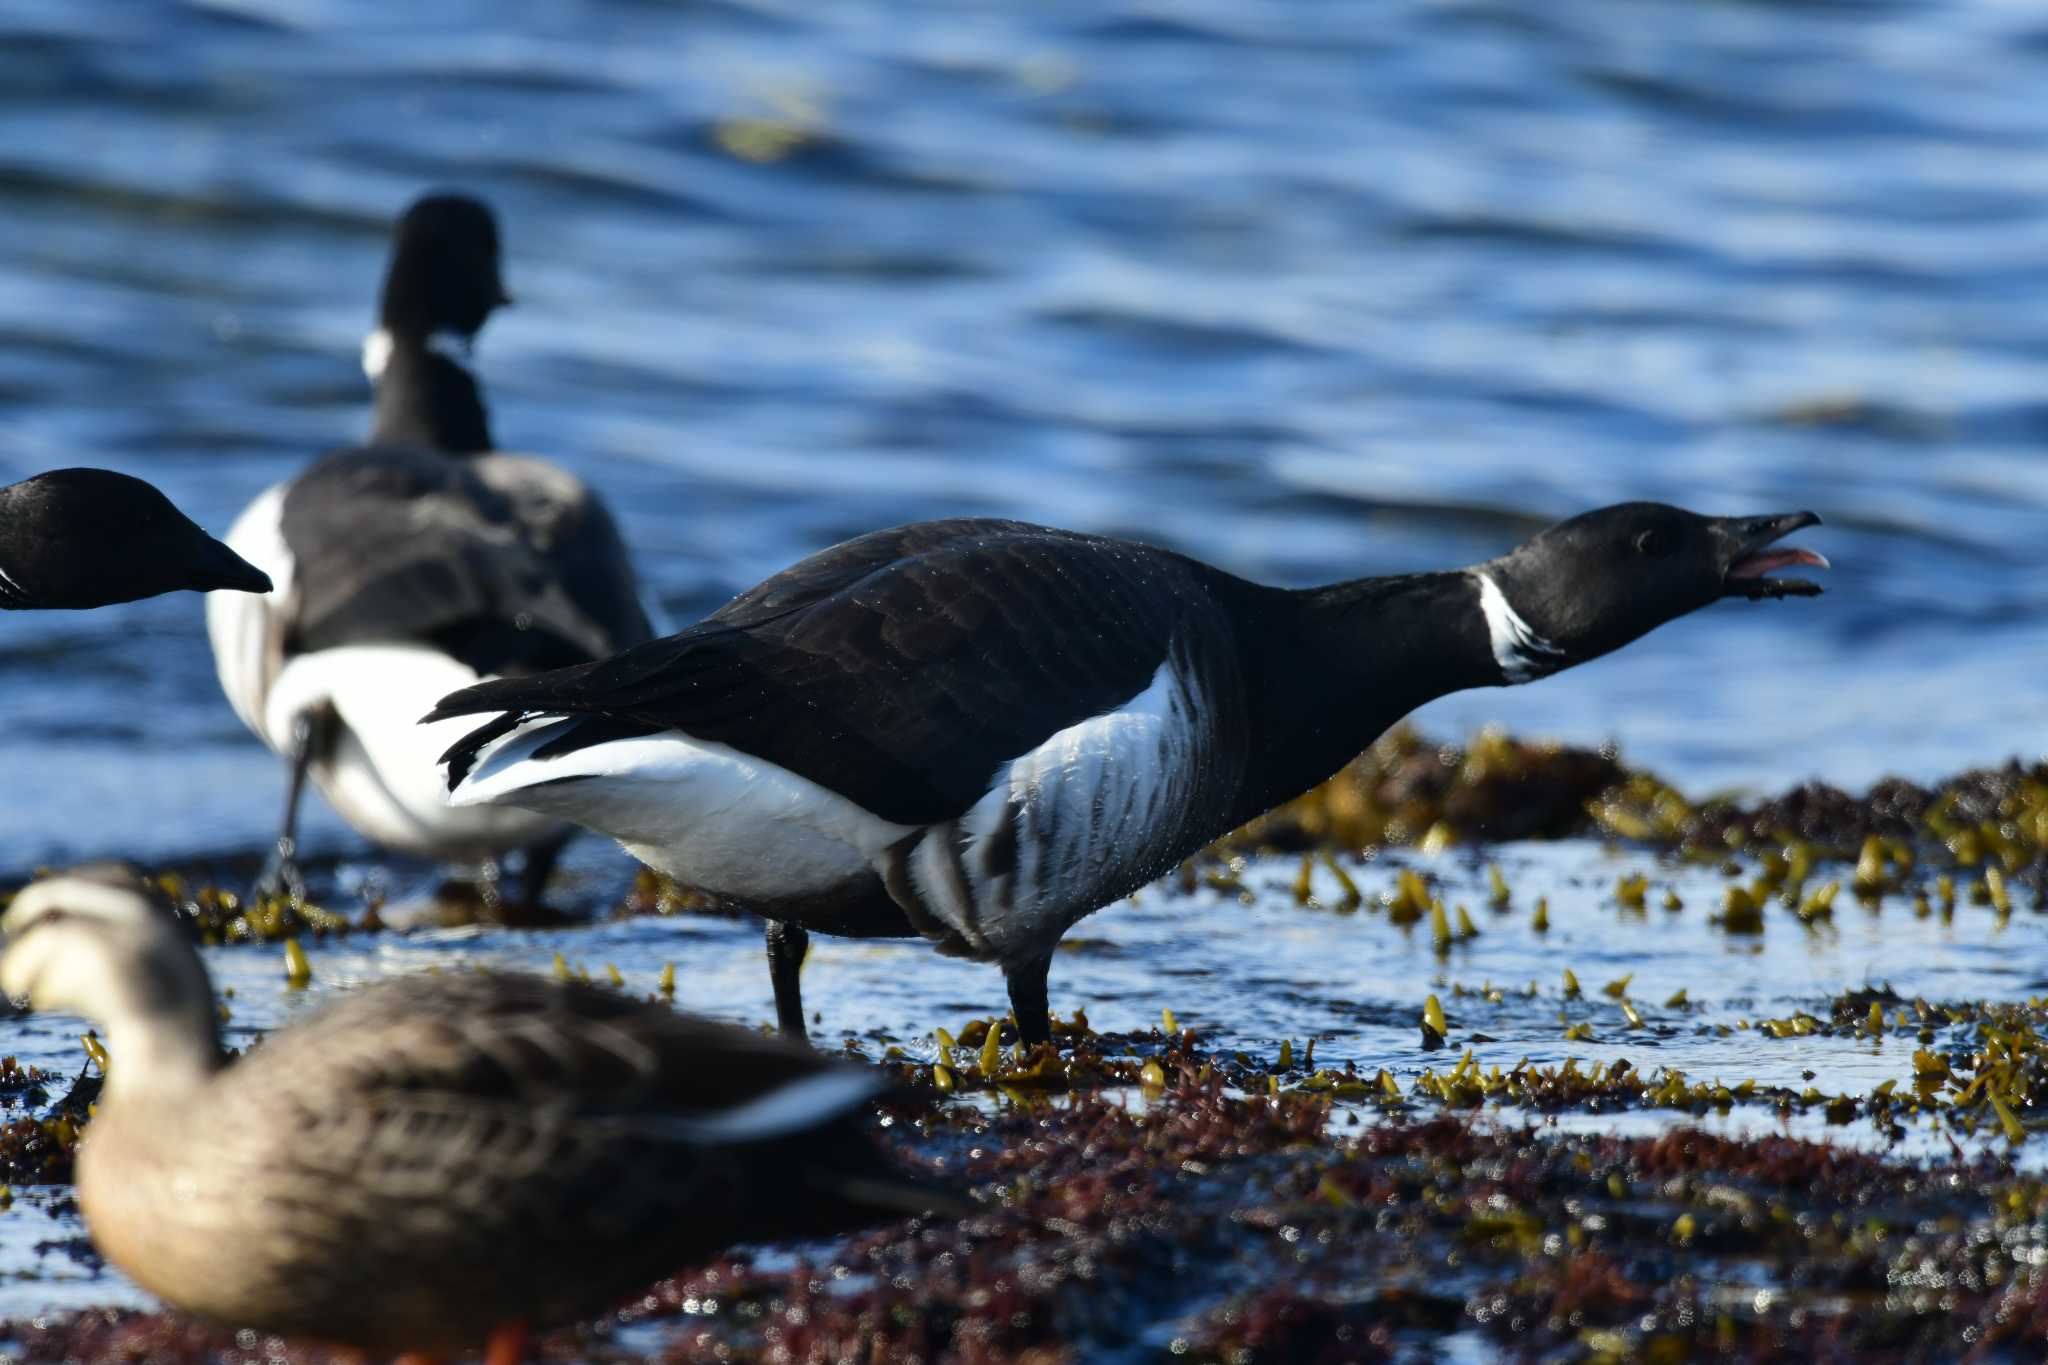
x: 1522, y: 654
x: 376, y: 354
x: 378, y: 346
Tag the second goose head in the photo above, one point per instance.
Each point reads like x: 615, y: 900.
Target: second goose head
x: 75, y: 538
x: 443, y: 283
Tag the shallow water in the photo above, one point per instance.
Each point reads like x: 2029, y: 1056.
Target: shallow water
x: 1309, y: 291
x: 1248, y: 975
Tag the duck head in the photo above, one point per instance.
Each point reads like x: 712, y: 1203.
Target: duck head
x: 93, y: 943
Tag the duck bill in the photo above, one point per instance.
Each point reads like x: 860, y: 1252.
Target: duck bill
x: 1752, y: 551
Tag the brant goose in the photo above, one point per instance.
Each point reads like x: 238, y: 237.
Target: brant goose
x: 76, y: 538
x: 981, y: 731
x: 431, y: 1160
x: 415, y: 564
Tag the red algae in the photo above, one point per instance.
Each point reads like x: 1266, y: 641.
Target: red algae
x: 1144, y: 1196
x: 1211, y: 1226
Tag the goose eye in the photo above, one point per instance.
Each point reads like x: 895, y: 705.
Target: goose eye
x: 1652, y: 542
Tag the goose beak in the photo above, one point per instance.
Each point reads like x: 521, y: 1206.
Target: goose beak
x: 224, y: 568
x: 1753, y: 551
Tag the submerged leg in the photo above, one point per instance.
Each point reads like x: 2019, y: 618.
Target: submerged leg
x: 281, y: 870
x: 540, y: 865
x: 1027, y: 999
x: 787, y: 944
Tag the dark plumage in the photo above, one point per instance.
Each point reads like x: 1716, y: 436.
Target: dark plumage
x: 76, y: 538
x: 395, y: 543
x: 982, y: 730
x: 420, y: 556
x: 901, y: 669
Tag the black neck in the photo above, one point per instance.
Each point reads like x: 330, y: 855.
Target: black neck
x: 1334, y: 667
x: 426, y: 399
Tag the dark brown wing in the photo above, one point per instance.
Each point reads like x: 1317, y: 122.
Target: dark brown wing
x: 533, y: 1040
x: 402, y: 544
x: 901, y: 669
x: 544, y: 1147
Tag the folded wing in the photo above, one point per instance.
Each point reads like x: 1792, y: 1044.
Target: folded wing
x: 901, y: 670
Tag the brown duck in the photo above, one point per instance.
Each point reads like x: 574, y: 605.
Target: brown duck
x: 433, y: 1162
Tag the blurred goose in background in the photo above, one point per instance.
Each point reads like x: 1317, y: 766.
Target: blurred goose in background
x: 982, y: 731
x: 75, y: 538
x: 430, y: 1161
x: 414, y: 564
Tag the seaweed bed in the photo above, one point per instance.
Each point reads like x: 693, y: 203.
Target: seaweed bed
x: 1174, y: 1194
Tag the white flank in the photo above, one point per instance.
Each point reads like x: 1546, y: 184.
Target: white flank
x: 708, y: 815
x: 1522, y: 654
x: 384, y: 777
x: 1089, y: 806
x: 243, y: 626
x: 787, y: 1109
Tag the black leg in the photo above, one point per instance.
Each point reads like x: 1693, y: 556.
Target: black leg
x: 787, y: 944
x: 281, y: 870
x: 540, y: 865
x: 1027, y: 999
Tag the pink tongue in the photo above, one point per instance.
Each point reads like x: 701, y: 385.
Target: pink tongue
x: 1756, y: 566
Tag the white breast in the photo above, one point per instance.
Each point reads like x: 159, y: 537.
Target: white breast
x: 245, y: 627
x: 382, y: 775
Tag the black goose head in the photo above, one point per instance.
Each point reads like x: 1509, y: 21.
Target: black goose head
x: 90, y: 537
x: 442, y: 284
x: 444, y: 269
x: 1594, y: 583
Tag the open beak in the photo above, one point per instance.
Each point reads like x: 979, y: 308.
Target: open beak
x: 1753, y: 551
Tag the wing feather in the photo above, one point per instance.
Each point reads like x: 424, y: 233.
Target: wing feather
x: 901, y: 669
x: 402, y: 544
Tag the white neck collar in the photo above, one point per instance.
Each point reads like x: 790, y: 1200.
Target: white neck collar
x: 379, y: 344
x: 1522, y: 654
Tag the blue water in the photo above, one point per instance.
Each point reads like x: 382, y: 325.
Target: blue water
x: 1307, y: 289
x: 1245, y: 976
x: 1310, y: 290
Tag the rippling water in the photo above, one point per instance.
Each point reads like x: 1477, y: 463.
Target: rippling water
x: 1246, y: 974
x: 1308, y: 290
